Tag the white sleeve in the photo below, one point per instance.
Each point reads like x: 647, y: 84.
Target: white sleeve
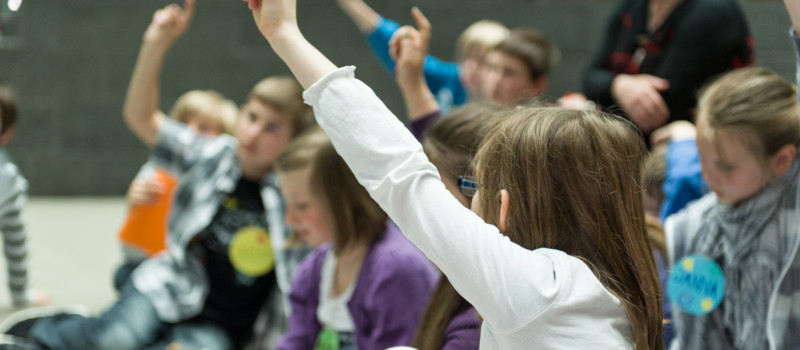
x: 507, y: 284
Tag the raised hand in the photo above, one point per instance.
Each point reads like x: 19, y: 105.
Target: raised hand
x: 640, y: 96
x: 274, y: 16
x: 408, y: 48
x: 277, y: 21
x: 169, y: 23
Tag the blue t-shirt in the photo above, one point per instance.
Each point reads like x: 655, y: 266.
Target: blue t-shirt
x: 683, y: 182
x: 442, y: 77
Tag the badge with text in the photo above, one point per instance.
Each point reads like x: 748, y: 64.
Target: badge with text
x: 696, y: 285
x: 250, y: 252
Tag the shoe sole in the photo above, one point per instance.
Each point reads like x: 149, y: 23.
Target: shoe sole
x: 42, y: 311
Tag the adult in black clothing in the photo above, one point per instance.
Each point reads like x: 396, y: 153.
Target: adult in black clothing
x: 656, y: 54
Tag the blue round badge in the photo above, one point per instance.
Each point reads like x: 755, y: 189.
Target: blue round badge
x: 696, y: 285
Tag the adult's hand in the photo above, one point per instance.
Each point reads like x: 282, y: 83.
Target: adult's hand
x: 639, y: 95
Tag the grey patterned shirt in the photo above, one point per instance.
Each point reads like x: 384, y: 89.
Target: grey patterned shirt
x: 207, y: 169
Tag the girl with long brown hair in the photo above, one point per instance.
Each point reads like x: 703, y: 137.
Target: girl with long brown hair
x: 554, y: 252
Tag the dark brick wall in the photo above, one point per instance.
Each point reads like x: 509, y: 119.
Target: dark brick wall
x: 72, y: 60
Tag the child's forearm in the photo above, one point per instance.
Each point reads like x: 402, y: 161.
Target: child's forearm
x: 304, y: 60
x: 418, y: 99
x: 141, y: 101
x: 793, y: 7
x: 364, y: 17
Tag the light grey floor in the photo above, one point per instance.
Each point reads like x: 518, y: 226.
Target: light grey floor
x: 73, y: 250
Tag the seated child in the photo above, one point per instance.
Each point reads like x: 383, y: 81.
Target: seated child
x: 450, y: 142
x: 518, y: 68
x: 224, y: 261
x: 13, y: 194
x: 368, y: 287
x: 143, y: 233
x: 452, y: 83
x: 748, y: 132
x: 554, y: 250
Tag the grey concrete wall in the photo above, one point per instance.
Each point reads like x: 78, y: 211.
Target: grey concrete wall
x: 72, y: 61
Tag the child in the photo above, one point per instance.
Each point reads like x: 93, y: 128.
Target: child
x: 453, y: 83
x: 223, y: 263
x: 562, y: 256
x: 518, y: 69
x: 748, y: 132
x: 144, y: 234
x: 450, y: 143
x: 368, y: 287
x: 13, y: 194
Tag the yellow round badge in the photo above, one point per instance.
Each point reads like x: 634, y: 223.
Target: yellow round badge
x: 251, y: 251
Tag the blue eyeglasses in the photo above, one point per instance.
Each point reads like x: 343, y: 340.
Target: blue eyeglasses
x: 467, y: 185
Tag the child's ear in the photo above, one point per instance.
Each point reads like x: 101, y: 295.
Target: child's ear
x: 501, y: 222
x: 6, y: 137
x: 782, y: 160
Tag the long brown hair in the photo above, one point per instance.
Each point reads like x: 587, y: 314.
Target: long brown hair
x: 451, y: 143
x: 574, y: 184
x: 353, y: 215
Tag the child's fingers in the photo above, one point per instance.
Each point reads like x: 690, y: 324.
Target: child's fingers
x: 396, y: 41
x: 188, y: 9
x: 423, y: 24
x: 394, y: 44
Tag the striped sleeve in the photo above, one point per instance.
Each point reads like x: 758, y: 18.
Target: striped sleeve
x: 13, y: 189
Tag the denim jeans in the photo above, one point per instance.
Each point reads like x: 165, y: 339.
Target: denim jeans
x: 131, y: 323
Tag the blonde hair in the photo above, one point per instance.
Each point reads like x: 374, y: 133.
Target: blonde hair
x: 479, y: 37
x: 353, y: 215
x: 285, y: 95
x: 756, y: 102
x: 574, y: 184
x: 206, y: 104
x: 533, y: 48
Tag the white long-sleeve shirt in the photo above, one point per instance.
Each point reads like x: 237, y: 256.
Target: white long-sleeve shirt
x: 540, y: 298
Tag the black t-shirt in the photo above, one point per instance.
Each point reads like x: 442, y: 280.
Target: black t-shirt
x: 235, y: 297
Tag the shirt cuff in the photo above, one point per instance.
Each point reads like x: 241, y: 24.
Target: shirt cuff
x: 312, y: 94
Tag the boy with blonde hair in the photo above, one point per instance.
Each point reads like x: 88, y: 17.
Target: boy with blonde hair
x: 149, y: 196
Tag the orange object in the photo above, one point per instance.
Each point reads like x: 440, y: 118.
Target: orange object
x: 145, y: 228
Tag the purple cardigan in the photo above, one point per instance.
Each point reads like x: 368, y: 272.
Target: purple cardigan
x: 463, y: 332
x: 391, y: 293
